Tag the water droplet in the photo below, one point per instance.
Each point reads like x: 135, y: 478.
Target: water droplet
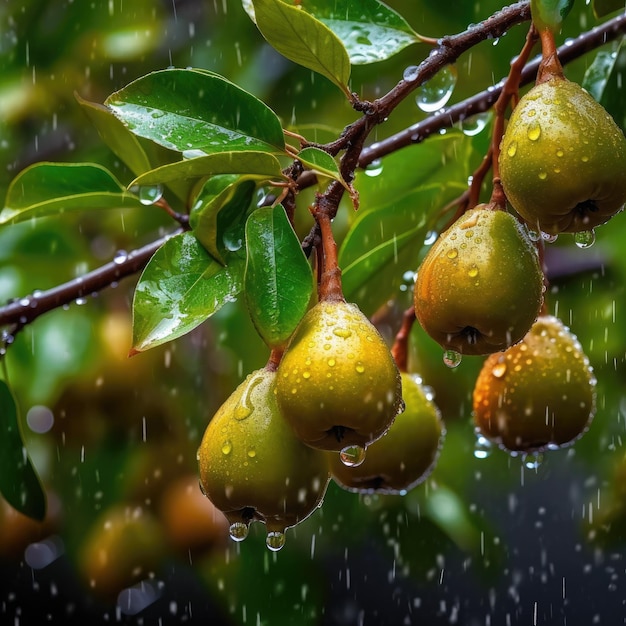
x: 275, y: 540
x: 360, y: 368
x: 227, y: 447
x: 374, y: 168
x: 238, y: 531
x: 560, y: 152
x: 431, y: 237
x: 410, y: 73
x: 548, y: 238
x: 475, y: 125
x: 542, y: 175
x: 585, y: 238
x: 352, y: 456
x: 472, y: 272
x: 512, y: 149
x: 344, y: 333
x: 532, y: 460
x: 435, y: 93
x: 584, y: 159
x: 306, y: 375
x: 251, y: 453
x: 331, y: 362
x: 499, y: 369
x: 232, y: 241
x: 452, y: 253
x: 483, y: 447
x: 452, y: 358
x: 534, y: 132
x: 149, y: 194
x: 121, y: 256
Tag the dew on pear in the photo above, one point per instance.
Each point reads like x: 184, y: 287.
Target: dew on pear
x: 499, y: 370
x: 275, y: 540
x: 352, y: 456
x: 150, y: 194
x: 585, y: 238
x: 534, y: 132
x: 483, y: 447
x: 238, y: 531
x: 435, y: 93
x: 452, y: 358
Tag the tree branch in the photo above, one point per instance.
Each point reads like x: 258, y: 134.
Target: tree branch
x: 22, y: 311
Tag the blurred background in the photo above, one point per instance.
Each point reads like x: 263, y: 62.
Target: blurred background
x: 128, y: 537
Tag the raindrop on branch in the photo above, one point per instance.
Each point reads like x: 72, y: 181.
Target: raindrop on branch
x: 435, y: 93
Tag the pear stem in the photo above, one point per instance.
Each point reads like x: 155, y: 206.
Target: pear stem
x: 330, y: 288
x: 400, y: 348
x: 274, y: 359
x: 550, y: 66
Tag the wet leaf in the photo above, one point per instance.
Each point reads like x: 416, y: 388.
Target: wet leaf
x: 550, y: 13
x: 370, y: 30
x: 219, y: 213
x: 604, y: 7
x: 196, y: 110
x: 604, y: 81
x: 19, y: 483
x: 180, y: 288
x: 278, y: 279
x: 260, y: 165
x: 320, y: 162
x: 48, y: 188
x: 304, y: 40
x: 117, y: 137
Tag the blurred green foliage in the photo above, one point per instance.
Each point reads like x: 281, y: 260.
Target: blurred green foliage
x: 125, y: 429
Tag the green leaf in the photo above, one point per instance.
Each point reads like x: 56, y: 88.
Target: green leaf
x: 179, y: 289
x: 369, y: 29
x: 604, y: 81
x: 219, y: 214
x: 304, y: 40
x: 258, y: 165
x: 278, y: 279
x: 116, y: 136
x: 196, y: 110
x: 320, y: 162
x: 19, y: 483
x: 604, y: 7
x: 47, y: 188
x: 550, y: 13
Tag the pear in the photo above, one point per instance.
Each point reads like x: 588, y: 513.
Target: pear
x: 404, y: 456
x: 537, y: 395
x: 337, y: 383
x: 252, y: 466
x: 563, y: 159
x: 480, y: 287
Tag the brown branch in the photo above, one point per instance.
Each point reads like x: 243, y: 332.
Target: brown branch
x: 483, y: 101
x: 24, y: 310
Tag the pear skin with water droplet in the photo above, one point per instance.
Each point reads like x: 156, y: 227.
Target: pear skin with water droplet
x: 337, y: 383
x: 563, y: 159
x: 480, y: 287
x: 403, y: 457
x: 252, y: 466
x: 539, y: 393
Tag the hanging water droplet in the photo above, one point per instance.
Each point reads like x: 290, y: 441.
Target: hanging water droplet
x: 275, y: 540
x: 475, y: 125
x: 352, y: 456
x: 483, y: 447
x: 533, y: 460
x: 499, y: 370
x: 150, y: 194
x: 431, y: 237
x: 585, y: 238
x: 548, y: 238
x: 238, y: 531
x: 410, y: 73
x: 452, y: 358
x: 121, y: 256
x: 374, y: 168
x: 435, y: 93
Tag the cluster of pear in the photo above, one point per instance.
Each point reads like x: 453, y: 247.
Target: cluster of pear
x: 270, y: 450
x: 480, y: 288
